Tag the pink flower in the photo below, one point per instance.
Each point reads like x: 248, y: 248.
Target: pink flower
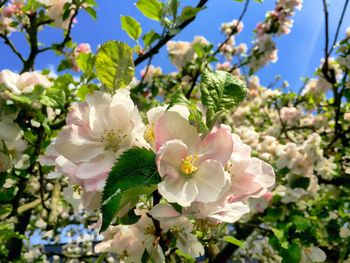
x: 97, y: 132
x: 250, y: 176
x: 191, y: 168
x: 83, y: 48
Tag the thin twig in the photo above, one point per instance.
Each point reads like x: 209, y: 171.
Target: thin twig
x: 67, y: 36
x: 339, y: 25
x: 234, y: 30
x: 12, y: 46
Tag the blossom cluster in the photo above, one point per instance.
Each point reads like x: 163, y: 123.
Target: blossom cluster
x: 277, y: 22
x: 182, y: 52
x: 210, y: 175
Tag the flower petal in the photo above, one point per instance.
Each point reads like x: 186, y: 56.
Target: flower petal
x: 178, y: 190
x: 172, y: 126
x: 169, y: 158
x: 210, y: 180
x: 218, y: 145
x: 76, y: 144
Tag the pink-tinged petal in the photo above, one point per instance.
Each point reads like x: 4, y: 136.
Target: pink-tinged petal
x: 241, y: 151
x: 50, y: 156
x: 94, y: 184
x: 119, y: 119
x: 231, y: 213
x: 172, y: 126
x: 75, y: 144
x: 218, y: 145
x: 169, y: 158
x: 79, y: 115
x: 154, y: 113
x: 251, y: 178
x: 99, y: 165
x: 210, y: 180
x: 178, y: 190
x: 163, y: 210
x: 264, y: 173
x: 66, y: 167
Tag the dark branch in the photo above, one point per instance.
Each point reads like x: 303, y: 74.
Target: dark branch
x: 12, y: 46
x: 339, y: 25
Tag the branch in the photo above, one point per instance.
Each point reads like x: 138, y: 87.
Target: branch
x: 155, y: 49
x: 67, y: 36
x: 339, y: 25
x: 325, y: 68
x: 12, y: 46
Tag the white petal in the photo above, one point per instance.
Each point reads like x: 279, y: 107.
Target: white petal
x: 170, y: 157
x: 210, y: 180
x: 77, y: 145
x: 172, y: 126
x: 179, y: 190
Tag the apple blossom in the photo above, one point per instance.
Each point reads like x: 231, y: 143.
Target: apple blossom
x: 180, y: 226
x: 24, y: 83
x: 97, y: 132
x: 250, y: 176
x: 191, y: 168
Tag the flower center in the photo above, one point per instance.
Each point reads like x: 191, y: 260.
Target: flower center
x: 187, y: 165
x: 149, y: 133
x: 111, y: 139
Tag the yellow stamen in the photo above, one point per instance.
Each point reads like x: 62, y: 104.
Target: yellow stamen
x: 149, y: 133
x: 187, y: 166
x: 77, y: 188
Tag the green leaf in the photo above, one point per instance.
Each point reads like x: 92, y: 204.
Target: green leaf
x: 86, y: 62
x: 292, y: 254
x: 173, y: 5
x: 85, y: 90
x: 221, y: 92
x: 114, y: 64
x: 152, y: 9
x: 54, y: 97
x: 195, y: 115
x: 131, y: 27
x: 134, y: 174
x: 91, y: 12
x: 188, y: 12
x: 150, y: 37
x: 278, y: 233
x: 234, y: 241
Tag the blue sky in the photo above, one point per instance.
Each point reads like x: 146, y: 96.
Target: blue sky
x: 299, y: 52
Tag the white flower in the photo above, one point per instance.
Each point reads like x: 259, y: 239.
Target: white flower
x: 180, y: 226
x: 24, y: 83
x: 97, y: 132
x: 312, y: 254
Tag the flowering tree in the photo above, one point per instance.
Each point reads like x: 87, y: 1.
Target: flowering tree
x: 203, y: 164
